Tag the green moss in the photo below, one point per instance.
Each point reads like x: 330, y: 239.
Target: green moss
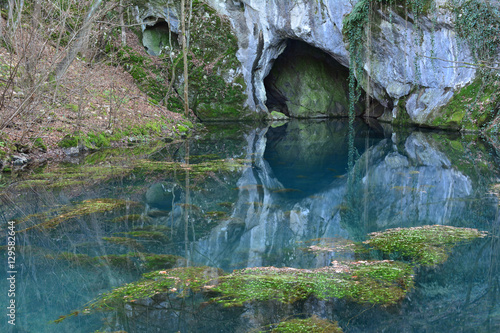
x: 39, y: 144
x: 473, y: 107
x: 74, y: 258
x: 179, y: 281
x: 402, y: 117
x: 383, y: 282
x: 226, y: 204
x: 93, y: 141
x: 160, y: 261
x: 73, y: 176
x: 275, y: 115
x: 216, y: 215
x: 125, y: 241
x: 182, y: 129
x: 427, y: 245
x: 146, y: 235
x: 216, y: 92
x: 33, y: 183
x: 68, y: 141
x: 194, y: 169
x: 376, y: 282
x: 87, y: 207
x: 118, y: 166
x: 131, y: 218
x: 313, y: 324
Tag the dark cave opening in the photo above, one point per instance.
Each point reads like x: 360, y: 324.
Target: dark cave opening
x: 158, y: 38
x: 306, y: 82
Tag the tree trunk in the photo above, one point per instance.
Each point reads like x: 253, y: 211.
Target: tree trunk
x: 73, y: 50
x: 10, y: 17
x: 184, y: 56
x: 122, y: 24
x: 37, y: 13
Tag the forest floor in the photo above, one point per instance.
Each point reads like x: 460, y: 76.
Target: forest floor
x: 91, y: 99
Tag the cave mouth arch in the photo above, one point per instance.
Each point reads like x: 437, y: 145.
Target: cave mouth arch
x: 306, y: 82
x: 158, y: 38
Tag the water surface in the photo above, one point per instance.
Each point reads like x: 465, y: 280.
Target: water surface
x: 264, y: 195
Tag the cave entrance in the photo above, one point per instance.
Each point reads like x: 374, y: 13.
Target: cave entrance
x: 158, y: 38
x: 306, y: 82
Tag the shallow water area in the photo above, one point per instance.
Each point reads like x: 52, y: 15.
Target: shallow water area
x: 300, y: 194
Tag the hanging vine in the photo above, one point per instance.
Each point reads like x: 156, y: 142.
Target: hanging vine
x: 478, y: 23
x: 356, y: 26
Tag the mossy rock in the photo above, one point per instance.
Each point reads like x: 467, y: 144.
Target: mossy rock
x: 216, y: 87
x: 146, y: 235
x: 275, y: 115
x: 130, y: 243
x: 426, y: 245
x: 473, y: 108
x: 312, y: 324
x: 375, y: 282
x: 68, y: 141
x: 365, y: 282
x: 160, y: 261
x: 84, y: 208
x: 180, y: 281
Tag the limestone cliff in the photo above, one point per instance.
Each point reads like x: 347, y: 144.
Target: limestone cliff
x: 411, y: 69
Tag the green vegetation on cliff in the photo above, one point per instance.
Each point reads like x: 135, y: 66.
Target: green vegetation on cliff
x: 475, y: 106
x: 216, y: 89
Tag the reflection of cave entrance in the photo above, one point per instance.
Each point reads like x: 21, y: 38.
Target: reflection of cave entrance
x: 305, y: 82
x: 307, y: 156
x: 158, y: 38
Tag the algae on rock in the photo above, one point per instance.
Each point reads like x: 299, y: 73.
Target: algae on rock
x: 426, y: 245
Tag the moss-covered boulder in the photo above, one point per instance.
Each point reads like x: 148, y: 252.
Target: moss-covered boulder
x: 426, y: 245
x: 473, y: 107
x: 161, y: 195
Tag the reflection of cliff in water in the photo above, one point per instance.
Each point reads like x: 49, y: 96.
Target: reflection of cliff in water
x: 297, y: 189
x: 396, y: 182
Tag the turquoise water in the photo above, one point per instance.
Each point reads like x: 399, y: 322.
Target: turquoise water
x: 269, y: 193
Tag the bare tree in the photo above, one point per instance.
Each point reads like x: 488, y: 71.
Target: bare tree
x: 79, y: 41
x: 122, y: 24
x: 184, y: 56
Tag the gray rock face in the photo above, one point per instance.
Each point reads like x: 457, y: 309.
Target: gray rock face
x: 413, y: 60
x: 403, y: 56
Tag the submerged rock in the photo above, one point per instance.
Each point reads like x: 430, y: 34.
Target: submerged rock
x: 427, y: 245
x: 161, y: 195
